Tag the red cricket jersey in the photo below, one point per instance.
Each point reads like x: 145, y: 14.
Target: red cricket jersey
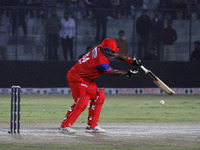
x: 89, y: 67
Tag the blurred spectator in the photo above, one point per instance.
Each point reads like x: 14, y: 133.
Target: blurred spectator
x: 72, y: 6
x: 151, y: 54
x: 34, y: 12
x: 101, y: 13
x: 49, y: 4
x: 6, y: 11
x: 124, y: 8
x: 143, y: 31
x: 194, y: 5
x: 67, y: 33
x: 157, y: 32
x: 88, y: 48
x: 195, y: 56
x: 53, y: 27
x: 122, y: 43
x: 81, y: 7
x: 114, y: 6
x: 21, y: 12
x: 3, y: 40
x: 180, y: 6
x: 66, y: 3
x: 75, y: 6
x: 165, y: 7
x: 137, y: 5
x: 170, y: 36
x: 2, y: 9
x: 89, y: 4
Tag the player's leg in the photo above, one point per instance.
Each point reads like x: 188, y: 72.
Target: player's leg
x: 81, y: 101
x: 95, y: 117
x: 92, y: 90
x: 91, y: 108
x: 78, y: 109
x: 71, y: 108
x: 77, y: 92
x: 96, y: 113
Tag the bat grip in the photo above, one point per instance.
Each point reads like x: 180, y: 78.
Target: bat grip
x: 144, y: 69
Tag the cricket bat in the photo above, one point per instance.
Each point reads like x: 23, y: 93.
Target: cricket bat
x: 157, y: 81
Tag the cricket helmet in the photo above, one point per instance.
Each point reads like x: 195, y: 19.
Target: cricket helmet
x: 110, y: 44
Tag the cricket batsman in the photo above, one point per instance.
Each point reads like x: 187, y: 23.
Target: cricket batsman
x: 81, y: 81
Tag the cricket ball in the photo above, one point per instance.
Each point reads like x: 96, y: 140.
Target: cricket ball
x: 162, y: 102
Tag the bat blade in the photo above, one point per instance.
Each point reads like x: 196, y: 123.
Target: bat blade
x: 158, y: 82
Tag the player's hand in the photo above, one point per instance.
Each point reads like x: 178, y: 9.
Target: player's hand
x: 132, y: 73
x: 137, y: 61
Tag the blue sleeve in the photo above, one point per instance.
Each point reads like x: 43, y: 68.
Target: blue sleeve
x: 105, y: 68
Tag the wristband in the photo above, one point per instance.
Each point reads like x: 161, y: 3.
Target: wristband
x: 129, y: 60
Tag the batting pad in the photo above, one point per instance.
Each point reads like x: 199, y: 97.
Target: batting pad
x: 80, y: 107
x: 97, y: 110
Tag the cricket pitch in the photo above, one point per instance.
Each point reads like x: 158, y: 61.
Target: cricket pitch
x: 177, y: 134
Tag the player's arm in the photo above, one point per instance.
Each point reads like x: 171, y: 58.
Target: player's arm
x: 116, y: 72
x: 106, y: 69
x: 130, y: 73
x: 129, y: 60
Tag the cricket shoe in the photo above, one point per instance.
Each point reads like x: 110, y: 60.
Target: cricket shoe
x: 95, y: 130
x: 67, y: 130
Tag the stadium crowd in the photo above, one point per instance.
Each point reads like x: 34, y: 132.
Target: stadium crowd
x: 116, y: 8
x: 95, y: 9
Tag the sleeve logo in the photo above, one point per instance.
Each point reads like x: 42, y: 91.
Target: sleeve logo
x: 94, y: 52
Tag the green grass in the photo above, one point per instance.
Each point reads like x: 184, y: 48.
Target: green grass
x: 117, y: 108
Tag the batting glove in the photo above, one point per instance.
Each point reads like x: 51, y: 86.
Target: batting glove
x: 137, y: 61
x: 132, y: 73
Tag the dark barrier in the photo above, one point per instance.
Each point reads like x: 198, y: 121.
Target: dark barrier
x: 53, y: 74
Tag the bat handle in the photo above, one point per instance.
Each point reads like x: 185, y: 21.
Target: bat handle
x: 144, y: 69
